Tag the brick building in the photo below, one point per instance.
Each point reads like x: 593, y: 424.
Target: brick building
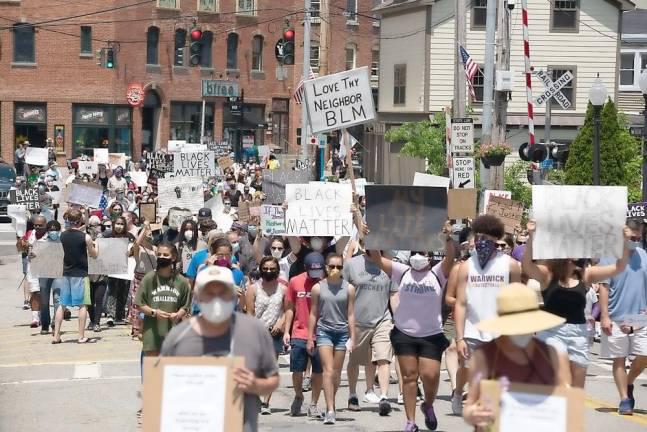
x: 51, y: 85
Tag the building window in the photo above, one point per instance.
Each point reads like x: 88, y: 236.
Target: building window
x: 314, y: 58
x: 205, y: 49
x: 186, y: 121
x: 102, y: 126
x: 399, y: 84
x: 246, y: 7
x: 257, y: 53
x: 568, y: 90
x: 180, y: 42
x: 24, y: 46
x: 375, y: 64
x: 152, y: 45
x: 232, y: 51
x: 315, y: 8
x: 207, y: 6
x: 281, y: 123
x: 30, y: 124
x: 86, y: 40
x: 478, y: 83
x: 632, y: 63
x: 564, y: 15
x: 168, y: 4
x: 351, y: 10
x: 479, y: 14
x: 351, y: 57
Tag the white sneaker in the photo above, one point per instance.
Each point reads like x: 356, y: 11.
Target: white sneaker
x: 457, y: 404
x: 371, y: 397
x: 400, y: 399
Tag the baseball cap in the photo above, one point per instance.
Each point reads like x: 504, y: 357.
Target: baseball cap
x: 204, y: 212
x: 314, y: 264
x: 214, y: 274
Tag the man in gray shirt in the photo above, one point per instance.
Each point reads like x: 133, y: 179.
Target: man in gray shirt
x: 218, y: 331
x: 373, y: 290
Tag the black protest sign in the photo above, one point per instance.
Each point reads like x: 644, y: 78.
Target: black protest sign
x: 274, y: 182
x: 153, y: 175
x: 220, y: 148
x: 637, y: 211
x: 161, y: 161
x: 27, y: 197
x: 405, y: 217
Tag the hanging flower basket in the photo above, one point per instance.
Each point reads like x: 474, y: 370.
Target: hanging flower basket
x: 493, y: 154
x: 492, y: 160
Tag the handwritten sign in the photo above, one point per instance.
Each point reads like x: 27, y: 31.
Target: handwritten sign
x: 497, y: 193
x: 274, y: 182
x: 101, y: 155
x: 406, y: 217
x: 148, y: 211
x: 339, y: 100
x: 18, y: 215
x: 322, y: 209
x: 47, y: 261
x: 225, y: 162
x: 87, y: 194
x: 185, y: 192
x: 88, y: 167
x: 175, y: 145
x: 112, y: 257
x: 243, y: 212
x: 220, y: 148
x: 37, y: 156
x: 263, y: 151
x: 360, y: 184
x: 176, y: 216
x: 27, y: 197
x: 194, y: 164
x: 272, y: 220
x: 508, y: 211
x: 579, y: 221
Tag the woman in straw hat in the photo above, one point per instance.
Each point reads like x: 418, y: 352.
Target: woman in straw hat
x: 516, y: 354
x: 564, y: 285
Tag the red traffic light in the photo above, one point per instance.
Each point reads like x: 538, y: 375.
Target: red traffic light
x: 288, y: 35
x: 196, y: 34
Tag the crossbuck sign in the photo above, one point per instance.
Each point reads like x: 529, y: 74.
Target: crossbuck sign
x: 553, y: 89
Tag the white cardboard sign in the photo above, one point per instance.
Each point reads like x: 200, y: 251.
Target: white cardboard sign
x: 339, y: 100
x: 101, y: 155
x: 422, y: 179
x: 48, y: 260
x: 322, y: 209
x: 88, y: 167
x: 184, y: 192
x: 140, y: 178
x: 112, y: 257
x: 579, y: 221
x: 462, y: 135
x: 37, y: 156
x: 463, y: 173
x: 272, y: 220
x: 194, y: 164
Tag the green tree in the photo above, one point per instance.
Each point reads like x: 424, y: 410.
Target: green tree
x: 514, y: 180
x: 425, y: 140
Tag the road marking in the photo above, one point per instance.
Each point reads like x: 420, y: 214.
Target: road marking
x: 74, y: 362
x: 596, y: 405
x: 87, y: 371
x: 66, y: 380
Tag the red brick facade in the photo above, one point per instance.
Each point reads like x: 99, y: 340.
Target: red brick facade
x: 62, y: 78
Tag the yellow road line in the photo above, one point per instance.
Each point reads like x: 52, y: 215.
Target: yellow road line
x: 596, y: 404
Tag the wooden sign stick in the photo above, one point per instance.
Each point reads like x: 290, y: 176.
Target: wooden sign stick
x: 349, y: 161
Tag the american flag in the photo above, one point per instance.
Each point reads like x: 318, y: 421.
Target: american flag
x: 298, y: 93
x: 471, y: 68
x: 103, y: 203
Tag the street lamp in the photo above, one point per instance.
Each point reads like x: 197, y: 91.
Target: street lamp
x: 642, y: 83
x: 597, y: 96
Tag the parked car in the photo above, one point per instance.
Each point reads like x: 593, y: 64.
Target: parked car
x: 7, y: 180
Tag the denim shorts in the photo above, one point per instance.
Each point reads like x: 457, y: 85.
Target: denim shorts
x: 72, y: 290
x: 569, y: 338
x: 335, y: 339
x: 299, y: 357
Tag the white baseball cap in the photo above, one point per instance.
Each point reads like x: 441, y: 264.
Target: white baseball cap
x: 214, y: 274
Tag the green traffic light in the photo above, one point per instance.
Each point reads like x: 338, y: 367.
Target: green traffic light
x: 110, y: 65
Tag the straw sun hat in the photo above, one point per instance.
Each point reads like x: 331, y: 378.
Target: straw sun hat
x: 518, y: 313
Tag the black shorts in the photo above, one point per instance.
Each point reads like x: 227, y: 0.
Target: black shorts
x: 431, y: 347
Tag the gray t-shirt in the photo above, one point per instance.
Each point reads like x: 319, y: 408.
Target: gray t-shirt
x: 251, y: 340
x: 372, y: 290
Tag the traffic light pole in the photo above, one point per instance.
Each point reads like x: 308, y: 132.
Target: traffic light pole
x: 306, y: 73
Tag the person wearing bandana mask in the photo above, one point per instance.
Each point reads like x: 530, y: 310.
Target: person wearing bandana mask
x: 264, y: 300
x: 479, y: 280
x: 219, y: 331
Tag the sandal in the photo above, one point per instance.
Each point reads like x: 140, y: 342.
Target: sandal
x: 56, y: 341
x: 83, y: 341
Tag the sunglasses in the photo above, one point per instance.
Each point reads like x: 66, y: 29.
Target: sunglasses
x: 501, y: 246
x: 269, y: 269
x: 338, y: 267
x: 520, y: 243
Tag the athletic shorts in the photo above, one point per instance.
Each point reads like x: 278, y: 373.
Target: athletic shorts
x: 72, y: 290
x: 431, y: 347
x: 299, y: 357
x: 620, y: 345
x: 572, y: 339
x: 372, y: 344
x: 334, y: 339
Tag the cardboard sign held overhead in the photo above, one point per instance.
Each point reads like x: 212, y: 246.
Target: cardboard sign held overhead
x: 461, y: 203
x: 274, y: 182
x: 88, y: 167
x: 37, y: 156
x: 272, y: 220
x: 225, y: 162
x: 637, y: 211
x: 422, y: 179
x: 87, y: 194
x: 497, y: 193
x: 101, y: 155
x: 510, y: 212
x: 322, y: 209
x: 406, y: 217
x: 163, y: 162
x: 140, y: 178
x: 243, y: 212
x: 185, y: 192
x: 194, y: 164
x: 177, y: 216
x: 148, y: 211
x: 117, y: 160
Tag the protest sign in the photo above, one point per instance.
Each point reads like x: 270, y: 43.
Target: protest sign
x: 497, y: 193
x: 421, y: 179
x: 461, y: 203
x: 272, y: 220
x: 225, y: 162
x: 636, y: 211
x: 193, y: 147
x: 360, y: 185
x: 579, y: 221
x: 322, y: 209
x: 153, y: 176
x: 148, y: 211
x: 163, y: 162
x: 508, y: 211
x: 178, y: 215
x: 87, y: 194
x: 406, y: 217
x: 27, y: 197
x: 274, y: 182
x: 130, y: 275
x: 175, y: 145
x: 117, y: 159
x: 194, y: 164
x: 339, y: 100
x: 18, y: 215
x: 47, y: 261
x: 87, y: 167
x: 37, y: 156
x: 112, y: 257
x: 220, y: 148
x: 192, y: 394
x: 101, y: 155
x: 533, y: 408
x: 243, y: 212
x: 263, y: 151
x: 140, y: 178
x: 184, y: 192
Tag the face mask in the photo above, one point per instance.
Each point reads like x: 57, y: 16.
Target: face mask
x: 316, y: 244
x: 227, y: 207
x: 163, y: 262
x: 223, y: 262
x: 232, y: 185
x: 632, y: 245
x: 485, y: 250
x: 269, y: 276
x: 188, y: 235
x: 120, y: 195
x: 54, y: 235
x: 235, y: 247
x: 278, y: 254
x: 521, y: 341
x: 252, y: 231
x: 418, y: 262
x: 41, y: 188
x: 217, y: 310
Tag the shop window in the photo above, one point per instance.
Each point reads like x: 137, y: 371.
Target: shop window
x: 101, y: 126
x: 186, y: 121
x: 24, y: 45
x: 30, y: 124
x: 152, y: 45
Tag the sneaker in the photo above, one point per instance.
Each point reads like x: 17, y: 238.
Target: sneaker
x: 385, y: 407
x: 307, y: 384
x: 411, y: 427
x: 625, y: 407
x: 329, y: 419
x: 313, y: 412
x: 25, y: 305
x: 430, y: 416
x: 353, y: 404
x: 96, y: 328
x: 630, y: 395
x: 400, y: 399
x: 371, y: 397
x: 295, y: 408
x: 110, y: 322
x: 457, y: 405
x: 265, y: 409
x: 34, y: 324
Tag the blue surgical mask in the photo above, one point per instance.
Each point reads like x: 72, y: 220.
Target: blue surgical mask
x: 54, y: 235
x: 632, y: 245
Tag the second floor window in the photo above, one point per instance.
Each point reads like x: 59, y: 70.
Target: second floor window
x: 375, y: 64
x: 351, y: 57
x: 257, y: 53
x: 479, y: 13
x: 351, y: 10
x: 232, y: 51
x: 207, y: 6
x: 180, y: 42
x: 152, y: 44
x: 24, y: 44
x: 477, y: 83
x: 314, y: 58
x: 86, y: 40
x: 315, y: 8
x: 565, y: 15
x: 246, y: 7
x: 399, y: 84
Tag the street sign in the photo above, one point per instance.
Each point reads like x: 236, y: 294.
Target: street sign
x: 463, y: 173
x: 462, y: 135
x: 553, y: 89
x: 219, y: 88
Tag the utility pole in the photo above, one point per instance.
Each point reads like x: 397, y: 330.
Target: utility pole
x: 459, y: 69
x: 324, y: 37
x: 305, y: 136
x: 488, y: 85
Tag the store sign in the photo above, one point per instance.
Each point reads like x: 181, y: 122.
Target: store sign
x: 219, y: 88
x: 123, y: 116
x: 91, y: 116
x: 135, y: 95
x: 30, y: 114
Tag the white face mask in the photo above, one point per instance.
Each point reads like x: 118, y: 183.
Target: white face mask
x: 521, y: 341
x: 316, y: 244
x: 278, y: 254
x: 217, y: 310
x: 188, y: 235
x: 418, y: 262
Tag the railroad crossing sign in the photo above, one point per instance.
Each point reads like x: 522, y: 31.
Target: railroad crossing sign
x: 553, y: 89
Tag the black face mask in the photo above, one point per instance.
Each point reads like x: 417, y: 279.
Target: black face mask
x: 269, y: 276
x: 163, y: 262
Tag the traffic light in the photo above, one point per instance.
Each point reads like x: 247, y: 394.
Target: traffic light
x: 196, y: 47
x: 288, y: 47
x: 537, y: 153
x: 110, y: 58
x: 180, y: 40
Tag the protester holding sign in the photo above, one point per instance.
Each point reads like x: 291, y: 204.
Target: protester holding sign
x: 188, y: 243
x: 564, y: 285
x: 118, y: 289
x: 25, y: 244
x: 145, y: 254
x: 116, y: 181
x: 46, y: 284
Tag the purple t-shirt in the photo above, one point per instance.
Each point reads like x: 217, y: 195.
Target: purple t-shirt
x: 421, y: 298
